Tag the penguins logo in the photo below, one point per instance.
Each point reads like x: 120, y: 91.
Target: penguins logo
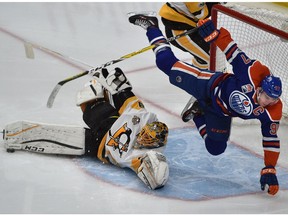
x: 116, y: 140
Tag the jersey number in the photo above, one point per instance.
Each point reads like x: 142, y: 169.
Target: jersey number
x: 273, y: 128
x: 245, y: 60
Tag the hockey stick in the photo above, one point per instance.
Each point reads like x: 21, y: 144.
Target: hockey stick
x: 61, y: 83
x: 91, y: 71
x: 30, y: 53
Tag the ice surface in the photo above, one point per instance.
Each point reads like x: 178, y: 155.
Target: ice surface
x: 96, y: 33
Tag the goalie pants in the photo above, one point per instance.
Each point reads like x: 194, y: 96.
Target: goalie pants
x: 99, y: 116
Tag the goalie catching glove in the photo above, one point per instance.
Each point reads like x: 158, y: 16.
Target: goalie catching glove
x: 114, y: 82
x: 268, y: 177
x: 154, y: 170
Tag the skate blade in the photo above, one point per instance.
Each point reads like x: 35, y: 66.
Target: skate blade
x: 187, y: 116
x: 146, y: 13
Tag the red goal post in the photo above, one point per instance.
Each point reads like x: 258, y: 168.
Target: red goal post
x: 262, y: 34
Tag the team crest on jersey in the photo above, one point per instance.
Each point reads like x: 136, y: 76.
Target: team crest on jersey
x: 240, y: 103
x: 135, y: 120
x: 120, y: 139
x: 247, y: 88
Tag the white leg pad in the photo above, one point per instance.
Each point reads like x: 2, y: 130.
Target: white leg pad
x: 44, y: 138
x: 91, y: 91
x: 154, y: 170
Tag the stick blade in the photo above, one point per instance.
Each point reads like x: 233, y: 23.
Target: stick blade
x: 53, y: 95
x: 29, y: 50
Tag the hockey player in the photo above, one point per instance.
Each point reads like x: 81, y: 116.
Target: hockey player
x: 124, y: 134
x: 178, y: 17
x: 250, y: 92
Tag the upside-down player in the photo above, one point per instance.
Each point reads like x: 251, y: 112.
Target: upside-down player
x: 250, y: 92
x: 178, y: 17
x: 125, y: 134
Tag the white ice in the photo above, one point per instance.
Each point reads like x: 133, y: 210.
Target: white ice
x: 94, y: 33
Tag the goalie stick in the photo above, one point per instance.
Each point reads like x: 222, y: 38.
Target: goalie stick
x: 93, y: 70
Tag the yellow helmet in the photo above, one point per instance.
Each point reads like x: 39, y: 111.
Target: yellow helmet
x: 152, y: 135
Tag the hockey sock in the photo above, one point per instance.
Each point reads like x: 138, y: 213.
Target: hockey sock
x: 201, y: 125
x: 214, y: 147
x: 155, y: 36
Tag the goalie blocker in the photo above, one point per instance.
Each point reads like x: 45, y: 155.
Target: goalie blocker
x: 74, y: 140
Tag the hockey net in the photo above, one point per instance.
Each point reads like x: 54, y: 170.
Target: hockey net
x: 262, y: 34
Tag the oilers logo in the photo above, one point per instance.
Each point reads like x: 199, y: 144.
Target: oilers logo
x: 240, y: 103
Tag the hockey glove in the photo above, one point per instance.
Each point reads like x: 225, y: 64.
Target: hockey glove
x: 154, y: 169
x: 268, y: 177
x: 114, y: 82
x: 207, y: 30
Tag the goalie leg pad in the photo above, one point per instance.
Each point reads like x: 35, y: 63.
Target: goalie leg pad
x: 44, y: 138
x: 154, y: 170
x: 91, y: 91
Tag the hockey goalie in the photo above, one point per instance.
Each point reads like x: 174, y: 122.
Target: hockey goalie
x: 120, y: 130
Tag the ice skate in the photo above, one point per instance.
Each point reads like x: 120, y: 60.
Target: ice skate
x: 194, y: 110
x: 144, y: 20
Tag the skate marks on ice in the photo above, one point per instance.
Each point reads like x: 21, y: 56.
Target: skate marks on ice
x: 194, y: 173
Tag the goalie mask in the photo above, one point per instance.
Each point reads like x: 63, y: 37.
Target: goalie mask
x: 152, y: 135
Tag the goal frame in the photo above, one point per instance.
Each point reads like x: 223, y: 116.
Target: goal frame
x: 242, y: 17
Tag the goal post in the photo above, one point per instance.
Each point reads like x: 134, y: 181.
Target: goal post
x: 262, y: 34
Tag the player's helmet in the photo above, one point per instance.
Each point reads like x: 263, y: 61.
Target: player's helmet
x: 272, y: 86
x: 152, y: 135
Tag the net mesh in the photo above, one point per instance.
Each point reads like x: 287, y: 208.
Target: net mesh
x: 270, y: 49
